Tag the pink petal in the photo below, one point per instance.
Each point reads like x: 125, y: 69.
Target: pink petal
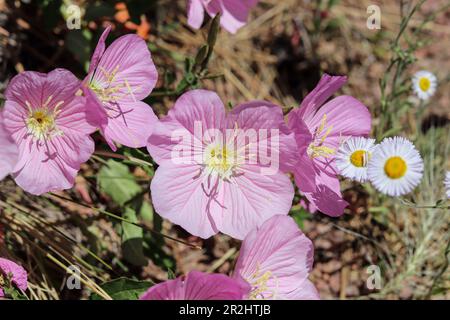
x: 9, y: 151
x: 99, y: 50
x: 304, y: 170
x: 234, y: 13
x: 95, y: 113
x: 36, y: 88
x: 347, y: 117
x: 279, y: 251
x: 265, y: 116
x: 326, y: 87
x: 73, y: 115
x: 132, y: 126
x: 252, y: 198
x: 327, y: 198
x: 198, y: 286
x: 53, y: 167
x: 178, y: 195
x: 196, y: 13
x: 19, y: 274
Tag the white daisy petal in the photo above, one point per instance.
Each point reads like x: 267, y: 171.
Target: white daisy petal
x: 396, y: 167
x: 424, y: 84
x: 447, y: 184
x: 353, y: 157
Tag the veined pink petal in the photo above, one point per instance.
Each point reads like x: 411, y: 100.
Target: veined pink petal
x: 304, y: 170
x: 326, y: 87
x: 133, y: 125
x: 346, y: 116
x: 252, y: 198
x: 179, y: 195
x: 9, y: 151
x: 19, y: 275
x: 99, y: 50
x: 268, y: 117
x: 95, y: 113
x: 37, y: 89
x: 327, y: 198
x: 53, y: 167
x: 196, y: 13
x: 276, y: 259
x: 198, y: 286
x: 234, y: 13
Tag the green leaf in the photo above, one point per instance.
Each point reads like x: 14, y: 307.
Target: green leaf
x: 170, y: 274
x: 124, y: 289
x: 202, y: 54
x: 132, y: 238
x: 300, y: 216
x: 116, y: 181
x: 213, y: 32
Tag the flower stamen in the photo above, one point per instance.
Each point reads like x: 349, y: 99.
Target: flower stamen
x: 260, y: 289
x: 316, y: 148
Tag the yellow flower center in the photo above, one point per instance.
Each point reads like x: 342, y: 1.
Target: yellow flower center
x: 220, y: 160
x: 395, y: 167
x: 359, y: 158
x: 41, y: 122
x: 424, y: 84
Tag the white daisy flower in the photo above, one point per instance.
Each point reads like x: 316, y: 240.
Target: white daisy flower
x: 424, y: 84
x: 396, y: 167
x: 353, y: 157
x: 447, y: 184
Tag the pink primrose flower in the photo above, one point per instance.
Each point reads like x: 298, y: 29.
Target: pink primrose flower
x: 218, y: 171
x: 14, y: 272
x: 276, y: 259
x: 118, y: 79
x: 47, y: 121
x: 319, y: 129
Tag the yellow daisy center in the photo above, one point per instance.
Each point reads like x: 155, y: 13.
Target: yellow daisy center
x: 395, y: 167
x: 424, y: 84
x: 359, y: 158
